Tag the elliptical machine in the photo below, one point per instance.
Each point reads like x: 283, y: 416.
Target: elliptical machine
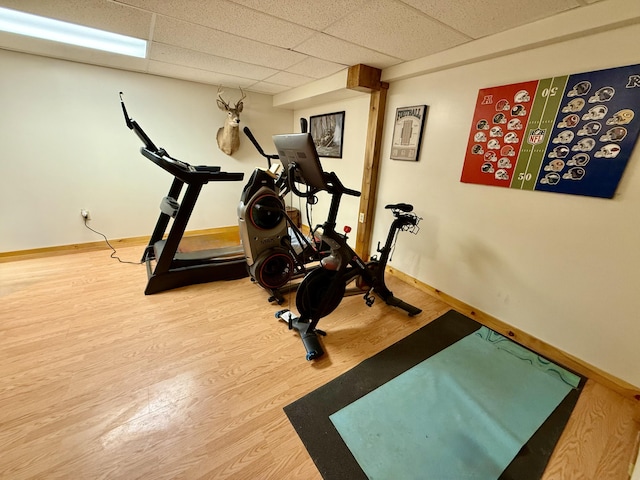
x: 323, y: 289
x: 276, y: 251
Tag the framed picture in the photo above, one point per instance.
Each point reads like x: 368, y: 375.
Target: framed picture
x: 407, y: 132
x: 327, y: 132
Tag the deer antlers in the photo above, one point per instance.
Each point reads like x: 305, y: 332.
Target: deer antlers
x: 224, y: 105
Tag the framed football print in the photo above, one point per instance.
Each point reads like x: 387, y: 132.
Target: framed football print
x: 407, y: 132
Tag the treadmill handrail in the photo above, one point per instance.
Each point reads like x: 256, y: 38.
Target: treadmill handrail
x: 188, y: 173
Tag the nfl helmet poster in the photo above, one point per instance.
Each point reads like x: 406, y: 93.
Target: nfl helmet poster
x: 571, y: 134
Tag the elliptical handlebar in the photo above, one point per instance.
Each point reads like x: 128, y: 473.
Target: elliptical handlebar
x: 248, y: 133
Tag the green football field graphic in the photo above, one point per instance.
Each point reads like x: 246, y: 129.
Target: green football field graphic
x: 571, y: 134
x: 544, y: 110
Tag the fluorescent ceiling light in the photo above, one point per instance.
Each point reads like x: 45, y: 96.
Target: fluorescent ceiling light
x: 40, y: 27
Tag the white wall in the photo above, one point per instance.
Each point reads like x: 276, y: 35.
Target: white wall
x: 65, y: 146
x: 562, y: 268
x: 349, y: 168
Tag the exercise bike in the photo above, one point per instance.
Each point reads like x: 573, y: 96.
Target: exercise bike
x: 322, y: 290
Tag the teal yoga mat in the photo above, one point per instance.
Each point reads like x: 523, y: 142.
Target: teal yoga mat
x: 463, y: 413
x: 454, y: 400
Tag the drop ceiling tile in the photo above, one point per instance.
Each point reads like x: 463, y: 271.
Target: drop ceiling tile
x: 268, y: 88
x: 397, y: 30
x: 309, y: 13
x: 289, y: 79
x: 99, y: 14
x: 275, y: 44
x: 339, y: 51
x: 189, y: 58
x: 222, y: 44
x: 316, y: 68
x: 229, y: 17
x: 479, y: 18
x: 196, y: 75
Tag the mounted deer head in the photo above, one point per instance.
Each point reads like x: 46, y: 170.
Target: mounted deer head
x: 228, y: 137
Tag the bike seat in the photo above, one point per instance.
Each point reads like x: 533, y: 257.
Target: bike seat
x: 405, y: 207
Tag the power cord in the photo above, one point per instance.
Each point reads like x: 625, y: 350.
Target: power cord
x: 113, y: 254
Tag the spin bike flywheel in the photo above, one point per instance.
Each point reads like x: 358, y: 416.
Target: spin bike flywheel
x: 320, y: 293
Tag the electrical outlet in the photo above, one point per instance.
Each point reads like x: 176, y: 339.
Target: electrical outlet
x: 85, y: 214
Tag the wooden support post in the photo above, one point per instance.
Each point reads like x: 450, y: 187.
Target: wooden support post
x: 367, y: 79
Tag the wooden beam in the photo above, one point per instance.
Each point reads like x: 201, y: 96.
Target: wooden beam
x: 363, y: 78
x: 367, y: 79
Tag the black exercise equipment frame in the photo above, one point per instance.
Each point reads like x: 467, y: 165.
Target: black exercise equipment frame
x: 173, y: 270
x: 310, y: 252
x: 322, y: 289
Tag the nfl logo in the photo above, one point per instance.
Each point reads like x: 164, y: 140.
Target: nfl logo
x: 536, y: 136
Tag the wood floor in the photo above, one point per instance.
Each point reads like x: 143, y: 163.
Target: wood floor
x: 98, y: 380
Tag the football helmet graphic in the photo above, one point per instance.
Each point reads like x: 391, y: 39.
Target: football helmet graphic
x: 511, y: 138
x: 502, y: 174
x: 504, y: 162
x: 518, y: 111
x: 579, y: 159
x: 507, y: 151
x: 480, y: 137
x: 487, y: 168
x: 584, y: 145
x: 603, y: 94
x: 521, y: 97
x: 482, y: 124
x: 550, y: 179
x: 596, y: 113
x: 495, y: 132
x: 493, y: 144
x: 514, y: 124
x: 623, y: 117
x: 490, y: 156
x: 554, y: 166
x: 499, y: 118
x: 615, y: 134
x: 502, y: 106
x: 575, y: 173
x: 566, y: 136
x: 569, y: 121
x: 590, y: 129
x: 559, y: 152
x: 574, y: 106
x: 579, y: 89
x: 477, y: 149
x: 608, y: 151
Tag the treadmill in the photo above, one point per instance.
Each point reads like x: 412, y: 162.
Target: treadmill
x: 174, y: 269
